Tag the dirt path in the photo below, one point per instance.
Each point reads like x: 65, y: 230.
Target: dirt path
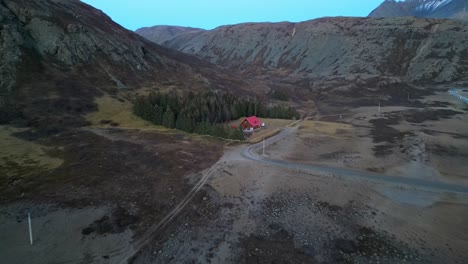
x: 257, y: 212
x: 155, y: 229
x: 251, y: 153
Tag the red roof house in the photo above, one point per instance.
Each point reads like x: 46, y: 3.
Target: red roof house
x: 251, y: 122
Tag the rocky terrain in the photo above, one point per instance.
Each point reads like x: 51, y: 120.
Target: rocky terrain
x: 57, y: 56
x: 456, y: 9
x: 161, y: 34
x: 87, y: 186
x: 255, y: 212
x: 410, y: 49
x: 104, y: 186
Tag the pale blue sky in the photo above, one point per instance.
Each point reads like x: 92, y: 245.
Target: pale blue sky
x: 209, y: 14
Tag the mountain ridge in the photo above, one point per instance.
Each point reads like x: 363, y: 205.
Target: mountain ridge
x: 455, y: 9
x: 163, y: 33
x: 60, y: 55
x: 417, y: 50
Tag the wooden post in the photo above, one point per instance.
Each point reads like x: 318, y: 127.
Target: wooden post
x: 30, y: 229
x: 263, y: 146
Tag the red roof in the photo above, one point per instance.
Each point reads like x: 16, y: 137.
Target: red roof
x: 253, y: 121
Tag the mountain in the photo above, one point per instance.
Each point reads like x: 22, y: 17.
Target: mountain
x: 161, y: 34
x: 423, y: 8
x: 410, y: 49
x: 57, y: 56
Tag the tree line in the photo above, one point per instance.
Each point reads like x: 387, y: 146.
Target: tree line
x: 205, y: 113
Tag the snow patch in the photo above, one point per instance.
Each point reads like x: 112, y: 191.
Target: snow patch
x: 427, y: 5
x: 432, y: 5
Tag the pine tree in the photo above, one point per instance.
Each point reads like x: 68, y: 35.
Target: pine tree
x: 168, y: 118
x: 184, y: 122
x: 234, y: 114
x: 158, y: 115
x: 236, y: 134
x: 250, y: 109
x: 205, y: 113
x: 203, y: 128
x: 144, y: 109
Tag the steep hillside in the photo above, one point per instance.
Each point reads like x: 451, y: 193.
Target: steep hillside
x: 161, y: 34
x: 57, y: 56
x: 414, y: 50
x: 423, y: 8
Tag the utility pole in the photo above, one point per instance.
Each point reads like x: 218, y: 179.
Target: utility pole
x: 379, y: 107
x: 30, y: 229
x: 263, y: 146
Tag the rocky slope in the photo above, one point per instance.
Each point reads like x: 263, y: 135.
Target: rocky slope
x: 57, y: 56
x: 423, y: 8
x: 410, y: 49
x: 161, y: 34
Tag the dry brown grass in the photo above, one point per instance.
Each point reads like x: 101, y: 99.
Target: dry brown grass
x: 120, y: 113
x: 320, y: 127
x: 267, y: 134
x: 273, y: 127
x: 20, y: 157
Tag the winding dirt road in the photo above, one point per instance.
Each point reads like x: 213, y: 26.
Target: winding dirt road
x: 251, y: 153
x: 155, y: 229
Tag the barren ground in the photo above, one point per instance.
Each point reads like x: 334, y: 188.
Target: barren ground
x: 257, y: 213
x: 101, y: 199
x: 429, y: 142
x: 90, y: 200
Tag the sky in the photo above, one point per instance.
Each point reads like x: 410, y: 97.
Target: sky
x: 208, y: 14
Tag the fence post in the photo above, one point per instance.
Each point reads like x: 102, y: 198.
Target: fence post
x: 30, y: 229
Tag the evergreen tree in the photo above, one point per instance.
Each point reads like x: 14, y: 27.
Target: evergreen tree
x: 158, y: 116
x: 236, y: 134
x: 168, y: 118
x: 184, y: 122
x: 250, y: 109
x: 234, y: 114
x: 143, y: 108
x: 203, y: 128
x: 205, y: 113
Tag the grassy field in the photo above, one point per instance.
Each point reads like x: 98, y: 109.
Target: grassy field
x: 320, y: 127
x: 112, y: 112
x: 19, y: 158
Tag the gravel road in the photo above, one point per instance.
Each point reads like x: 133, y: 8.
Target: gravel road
x: 251, y: 153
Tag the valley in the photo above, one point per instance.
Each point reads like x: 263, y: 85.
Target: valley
x: 299, y: 203
x: 329, y: 189
x: 370, y: 169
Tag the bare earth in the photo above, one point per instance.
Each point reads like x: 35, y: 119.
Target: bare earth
x: 153, y: 196
x: 254, y: 212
